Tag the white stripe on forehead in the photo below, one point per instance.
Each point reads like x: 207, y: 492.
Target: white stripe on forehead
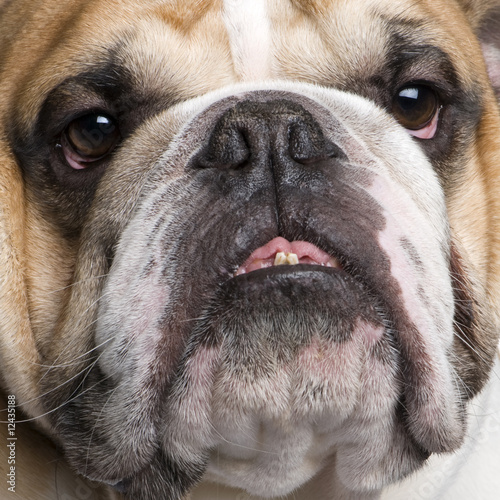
x: 248, y: 28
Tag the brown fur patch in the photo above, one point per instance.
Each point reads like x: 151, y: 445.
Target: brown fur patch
x: 184, y: 15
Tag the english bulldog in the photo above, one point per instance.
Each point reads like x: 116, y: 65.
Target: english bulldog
x: 251, y: 249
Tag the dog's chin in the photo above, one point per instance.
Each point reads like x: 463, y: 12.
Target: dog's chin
x: 279, y: 364
x: 289, y: 365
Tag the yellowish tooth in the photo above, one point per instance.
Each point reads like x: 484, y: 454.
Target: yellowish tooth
x: 280, y: 259
x: 283, y: 258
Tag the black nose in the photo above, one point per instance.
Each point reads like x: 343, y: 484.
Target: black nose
x: 253, y: 130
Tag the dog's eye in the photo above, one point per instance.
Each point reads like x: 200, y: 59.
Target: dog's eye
x: 416, y: 107
x: 88, y: 139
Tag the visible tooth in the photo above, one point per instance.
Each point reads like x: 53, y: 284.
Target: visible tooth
x: 283, y: 258
x: 280, y: 259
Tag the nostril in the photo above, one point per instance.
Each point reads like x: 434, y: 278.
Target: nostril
x: 227, y: 148
x: 302, y: 147
x: 307, y: 144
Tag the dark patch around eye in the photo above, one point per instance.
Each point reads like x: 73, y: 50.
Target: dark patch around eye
x: 411, y: 58
x: 106, y: 89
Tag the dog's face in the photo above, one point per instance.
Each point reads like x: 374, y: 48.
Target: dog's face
x: 160, y: 160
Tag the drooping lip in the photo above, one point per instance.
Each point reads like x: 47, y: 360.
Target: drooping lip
x: 280, y: 251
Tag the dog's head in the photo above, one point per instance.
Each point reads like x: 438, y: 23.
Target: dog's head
x: 265, y: 232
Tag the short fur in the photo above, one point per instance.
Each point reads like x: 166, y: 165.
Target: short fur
x: 130, y: 332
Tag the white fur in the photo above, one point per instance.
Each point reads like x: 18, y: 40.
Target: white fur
x: 471, y: 473
x: 248, y: 28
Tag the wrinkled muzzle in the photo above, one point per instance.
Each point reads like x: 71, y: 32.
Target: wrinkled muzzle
x: 279, y: 293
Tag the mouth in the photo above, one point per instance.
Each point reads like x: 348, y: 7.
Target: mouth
x: 279, y: 252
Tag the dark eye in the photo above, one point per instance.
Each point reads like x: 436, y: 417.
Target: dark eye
x: 88, y: 139
x: 415, y: 107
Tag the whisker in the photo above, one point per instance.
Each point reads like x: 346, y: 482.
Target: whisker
x: 243, y: 447
x: 76, y: 395
x: 86, y: 369
x: 469, y: 345
x: 85, y: 329
x: 79, y: 282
